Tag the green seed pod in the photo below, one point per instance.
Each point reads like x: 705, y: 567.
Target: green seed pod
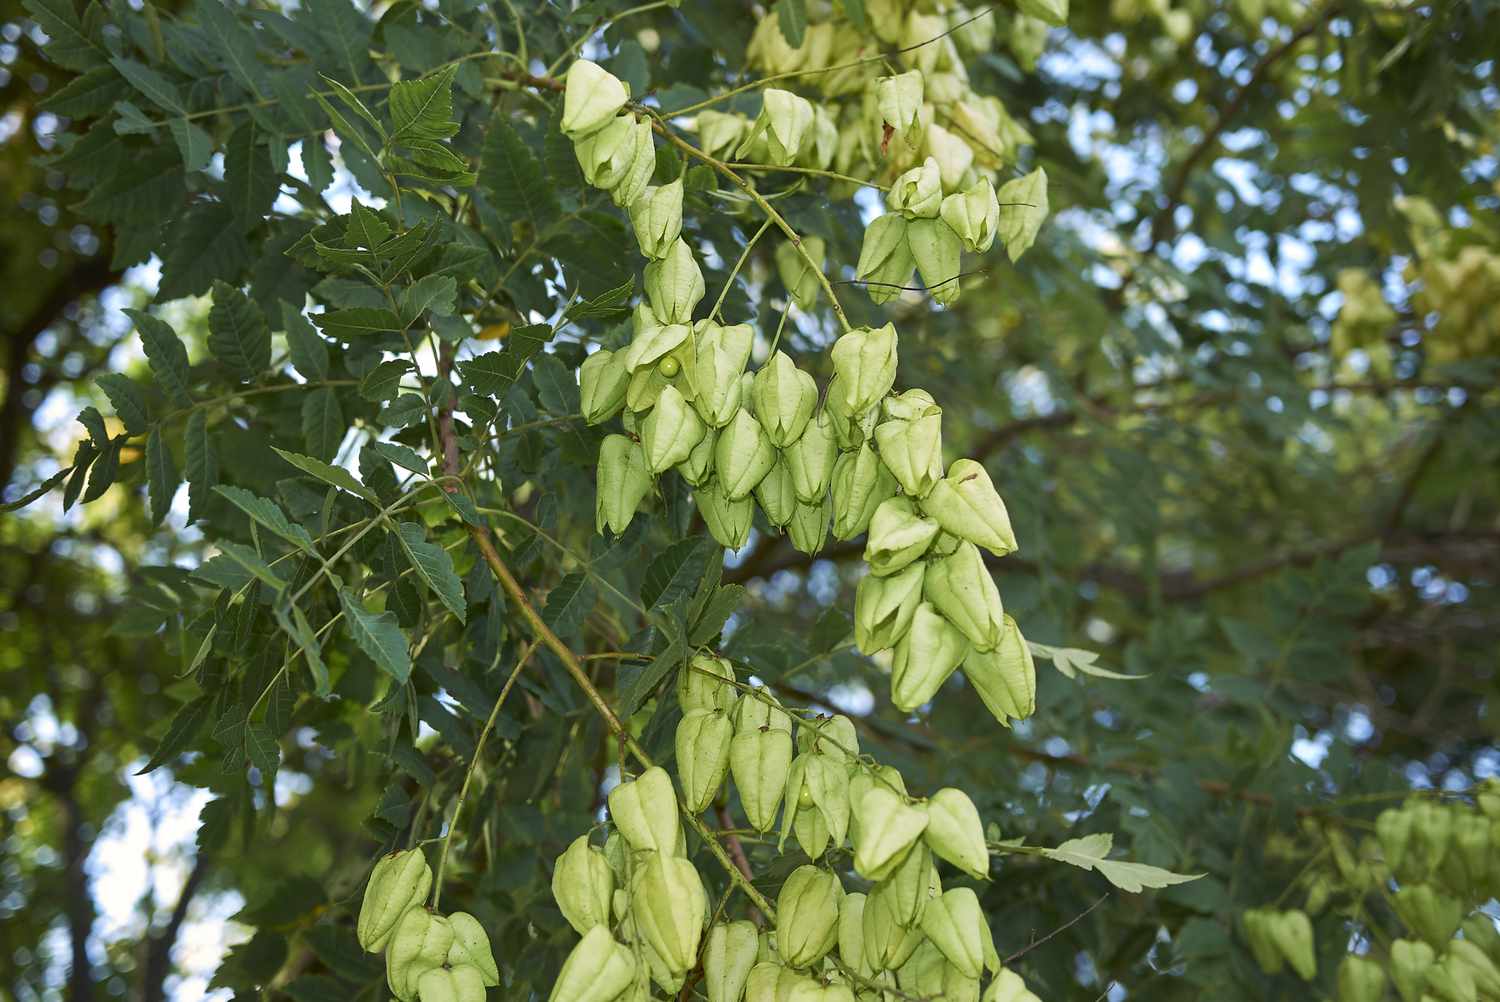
x: 471, y: 946
x: 913, y: 405
x: 419, y: 943
x: 831, y: 734
x: 966, y: 504
x: 602, y: 379
x: 1008, y: 987
x: 668, y: 902
x: 599, y: 969
x: 887, y: 943
x: 770, y: 981
x: 760, y: 710
x: 898, y: 536
x: 784, y: 397
x: 1005, y: 678
x: 911, y: 885
x: 808, y: 527
x: 865, y: 360
x: 654, y: 969
x: 1410, y: 962
x: 888, y: 828
x: 698, y: 468
x: 583, y: 885
x: 656, y: 218
x: 954, y: 155
x: 799, y: 278
x: 1293, y: 935
x: 913, y: 452
x: 1256, y: 926
x: 925, y: 657
x: 607, y: 155
x: 917, y: 194
x: 973, y: 214
x: 823, y: 143
x: 644, y: 809
x: 721, y: 357
x: 809, y: 459
x: 728, y: 955
x: 786, y: 123
x: 1472, y: 848
x: 960, y: 587
x: 674, y: 284
x: 743, y: 456
x: 860, y: 484
x: 1449, y: 979
x: 1488, y: 798
x: 956, y: 925
x: 719, y: 132
x: 955, y: 832
x: 811, y: 990
x: 885, y: 258
x: 707, y: 683
x: 936, y: 250
x: 398, y: 883
x: 670, y: 432
x: 455, y: 983
x: 1393, y: 829
x: 775, y: 494
x: 727, y: 521
x: 807, y: 915
x: 1481, y: 968
x: 851, y: 937
x: 703, y: 738
x: 1432, y: 833
x: 760, y: 758
x: 623, y: 481
x: 1429, y: 913
x: 899, y: 102
x: 592, y: 98
x: 863, y: 779
x: 638, y: 177
x: 808, y: 824
x: 850, y: 430
x: 884, y: 607
x: 1479, y: 930
x: 820, y: 783
x: 654, y: 342
x: 645, y: 386
x: 927, y: 974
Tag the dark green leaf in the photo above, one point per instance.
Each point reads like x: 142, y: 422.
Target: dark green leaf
x: 433, y: 566
x: 378, y: 635
x: 356, y: 322
x: 158, y: 88
x: 323, y: 424
x: 237, y: 333
x: 161, y: 476
x: 337, y: 476
x: 423, y: 109
x: 165, y: 352
x: 677, y: 571
x: 404, y: 457
x: 44, y: 488
x: 268, y: 514
x: 249, y: 178
x: 185, y: 726
x: 494, y: 373
x: 202, y: 464
x: 382, y: 382
x: 251, y: 562
x: 512, y: 179
x: 568, y: 603
x: 791, y: 18
x: 308, y: 350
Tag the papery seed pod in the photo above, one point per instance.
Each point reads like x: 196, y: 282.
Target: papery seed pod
x: 775, y: 494
x: 1432, y: 831
x: 812, y: 990
x: 721, y: 356
x: 820, y: 782
x: 822, y: 142
x: 419, y: 943
x: 1473, y: 850
x: 623, y: 481
x: 1488, y: 798
x: 1481, y: 968
x: 607, y: 155
x: 742, y: 456
x: 668, y: 902
x: 810, y: 827
x: 646, y: 384
x: 898, y: 536
x: 656, y: 218
x: 1449, y: 979
x: 927, y: 974
x: 598, y: 969
x: 471, y: 946
x: 862, y: 780
x: 973, y: 214
x: 592, y: 97
x: 973, y: 35
x: 884, y: 607
x: 674, y: 284
x: 760, y: 758
x: 670, y: 432
x: 617, y: 855
x: 760, y: 710
x: 786, y: 122
x: 698, y: 468
x: 887, y: 943
x: 1256, y: 925
x: 770, y: 981
x: 917, y: 30
x: 911, y: 405
x: 851, y: 935
x: 808, y: 527
x: 1293, y: 935
x: 784, y: 398
x: 913, y: 452
x: 925, y: 657
x: 899, y: 101
x: 583, y: 885
x: 637, y: 177
x: 888, y: 829
x: 936, y: 250
x: 727, y: 521
x: 650, y: 968
x: 885, y: 258
x: 719, y: 132
x: 918, y: 193
x: 956, y: 925
x: 644, y: 809
x: 1393, y: 829
x: 454, y: 983
x: 966, y: 504
x: 770, y: 50
x: 728, y: 955
x: 1005, y: 678
x: 1429, y: 913
x: 961, y: 588
x: 830, y: 734
x: 398, y: 883
x: 602, y: 379
x: 860, y: 484
x: 953, y: 154
x: 807, y: 915
x: 955, y: 832
x: 809, y: 459
x: 703, y: 738
x: 850, y: 430
x: 707, y: 683
x: 799, y: 278
x: 865, y: 361
x: 654, y: 342
x: 1410, y: 962
x: 1008, y: 987
x: 910, y: 886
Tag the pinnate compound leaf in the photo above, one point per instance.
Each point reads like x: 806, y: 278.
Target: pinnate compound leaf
x: 434, y: 567
x: 378, y: 635
x: 166, y: 354
x: 1091, y: 852
x: 237, y: 332
x: 268, y: 515
x: 127, y: 400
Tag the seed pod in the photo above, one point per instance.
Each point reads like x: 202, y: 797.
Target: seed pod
x: 775, y: 494
x: 885, y: 258
x: 1008, y: 987
x: 859, y: 486
x: 928, y: 974
x: 728, y: 955
x: 917, y: 194
x: 1479, y: 930
x: 965, y: 503
x: 743, y: 456
x: 809, y: 459
x: 955, y: 832
x: 727, y: 521
x: 810, y: 827
x: 770, y: 981
x: 654, y: 342
x: 670, y: 432
x: 960, y: 587
x: 654, y: 968
x: 1472, y: 849
x: 719, y: 132
x: 592, y: 98
x: 703, y: 739
x: 602, y: 379
x: 721, y: 356
x: 1410, y: 962
x: 1293, y: 935
x: 820, y: 783
x: 898, y: 536
x: 583, y: 885
x: 707, y: 683
x: 912, y: 405
x: 954, y: 155
x: 1450, y: 979
x: 913, y: 452
x: 973, y: 214
x: 623, y: 481
x: 398, y: 883
x: 812, y: 990
x: 956, y: 925
x: 644, y: 809
x: 888, y: 829
x: 822, y: 143
x: 668, y: 902
x: 936, y: 250
x: 1256, y: 925
x: 599, y: 969
x: 884, y: 607
x: 865, y: 360
x: 925, y: 657
x: 887, y: 943
x: 808, y: 527
x: 1429, y: 913
x: 419, y: 943
x: 799, y: 278
x: 851, y: 936
x: 899, y: 101
x: 760, y: 758
x: 910, y: 886
x: 637, y: 177
x: 1432, y: 831
x: 656, y: 218
x: 471, y: 946
x: 1481, y: 968
x: 864, y: 779
x: 760, y: 710
x: 698, y: 468
x: 1005, y: 678
x: 1488, y: 799
x: 674, y: 284
x: 784, y: 398
x: 807, y: 915
x: 607, y: 155
x: 1360, y: 980
x: 1393, y: 829
x: 786, y: 123
x: 455, y: 983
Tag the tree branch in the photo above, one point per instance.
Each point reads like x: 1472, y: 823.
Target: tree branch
x: 160, y: 944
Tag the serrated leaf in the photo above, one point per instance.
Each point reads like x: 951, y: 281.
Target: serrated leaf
x: 251, y: 562
x: 308, y: 350
x: 268, y: 515
x: 185, y: 725
x: 382, y: 382
x: 1072, y: 660
x: 300, y: 630
x: 336, y: 476
x: 568, y: 603
x: 434, y: 567
x: 677, y: 571
x: 725, y: 601
x: 202, y: 464
x: 555, y: 385
x: 40, y: 490
x: 1023, y: 207
x: 438, y: 293
x: 233, y: 43
x: 93, y: 423
x: 402, y: 456
x: 69, y: 44
x: 378, y: 635
x: 365, y: 228
x: 102, y: 475
x: 423, y: 108
x: 161, y: 476
x: 357, y: 321
x: 166, y: 354
x: 85, y: 96
x: 512, y: 179
x: 1090, y: 853
x: 237, y: 332
x: 250, y: 180
x: 195, y: 145
x: 323, y: 424
x: 606, y: 304
x: 205, y: 243
x: 263, y: 749
x: 493, y: 374
x: 161, y: 91
x: 127, y: 400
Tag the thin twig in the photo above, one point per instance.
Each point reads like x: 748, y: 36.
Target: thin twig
x: 1060, y: 929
